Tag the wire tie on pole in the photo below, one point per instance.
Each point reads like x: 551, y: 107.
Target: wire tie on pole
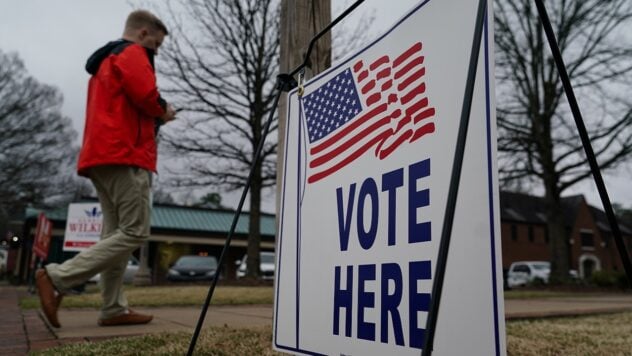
x: 301, y: 82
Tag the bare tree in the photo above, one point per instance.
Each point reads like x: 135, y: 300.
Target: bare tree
x: 220, y: 66
x: 538, y: 142
x: 35, y: 140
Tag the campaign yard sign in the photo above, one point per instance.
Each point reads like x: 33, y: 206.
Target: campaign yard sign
x: 43, y: 232
x: 370, y: 147
x: 83, y: 226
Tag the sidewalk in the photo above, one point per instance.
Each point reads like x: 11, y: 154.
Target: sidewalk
x: 77, y: 323
x: 23, y: 331
x: 566, y: 306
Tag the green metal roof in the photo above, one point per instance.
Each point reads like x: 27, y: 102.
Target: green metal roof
x: 58, y: 214
x: 171, y: 217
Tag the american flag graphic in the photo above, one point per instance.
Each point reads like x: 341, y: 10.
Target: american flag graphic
x: 376, y: 106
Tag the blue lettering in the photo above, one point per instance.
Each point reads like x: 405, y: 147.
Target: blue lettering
x: 368, y: 189
x: 418, y: 232
x: 390, y: 182
x: 343, y: 298
x: 366, y: 330
x: 390, y: 302
x: 344, y: 221
x: 417, y: 302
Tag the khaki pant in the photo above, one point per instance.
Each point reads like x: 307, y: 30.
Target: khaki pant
x: 124, y: 194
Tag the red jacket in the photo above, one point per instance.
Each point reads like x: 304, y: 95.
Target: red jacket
x: 123, y: 104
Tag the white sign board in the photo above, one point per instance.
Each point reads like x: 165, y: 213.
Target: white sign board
x: 370, y: 147
x: 83, y: 226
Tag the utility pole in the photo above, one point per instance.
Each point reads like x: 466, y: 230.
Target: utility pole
x: 300, y: 21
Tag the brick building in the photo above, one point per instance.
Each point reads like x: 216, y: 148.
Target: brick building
x: 589, y: 238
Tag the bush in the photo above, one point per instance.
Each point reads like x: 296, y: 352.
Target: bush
x: 622, y: 281
x: 609, y: 279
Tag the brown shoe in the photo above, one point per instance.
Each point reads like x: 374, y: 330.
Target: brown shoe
x: 49, y: 301
x: 129, y: 318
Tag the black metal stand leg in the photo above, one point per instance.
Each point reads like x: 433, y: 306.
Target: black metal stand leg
x: 229, y: 238
x: 285, y: 82
x: 446, y: 232
x: 583, y: 134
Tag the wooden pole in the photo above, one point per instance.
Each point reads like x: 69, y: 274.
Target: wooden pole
x: 300, y: 21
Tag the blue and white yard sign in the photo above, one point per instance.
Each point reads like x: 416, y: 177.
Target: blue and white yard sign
x: 370, y: 147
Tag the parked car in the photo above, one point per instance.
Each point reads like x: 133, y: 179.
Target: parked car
x: 128, y: 276
x: 190, y: 268
x: 266, y: 265
x: 525, y: 272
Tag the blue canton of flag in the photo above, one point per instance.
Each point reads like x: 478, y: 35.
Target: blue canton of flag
x: 331, y: 106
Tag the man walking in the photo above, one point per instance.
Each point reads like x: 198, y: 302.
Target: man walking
x: 118, y: 155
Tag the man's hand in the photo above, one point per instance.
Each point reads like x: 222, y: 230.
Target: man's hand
x: 169, y: 115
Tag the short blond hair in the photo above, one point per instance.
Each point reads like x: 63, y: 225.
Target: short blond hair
x: 142, y: 18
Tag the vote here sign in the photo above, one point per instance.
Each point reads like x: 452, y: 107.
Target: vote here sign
x: 369, y: 152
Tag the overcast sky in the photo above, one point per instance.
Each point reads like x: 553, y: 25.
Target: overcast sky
x: 54, y: 39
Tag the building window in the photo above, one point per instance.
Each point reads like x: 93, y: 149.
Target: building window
x: 514, y: 233
x: 588, y: 239
x: 531, y: 238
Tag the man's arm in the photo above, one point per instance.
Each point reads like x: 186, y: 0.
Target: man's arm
x: 139, y: 81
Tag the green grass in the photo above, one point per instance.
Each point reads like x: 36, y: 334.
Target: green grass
x: 174, y: 295
x: 212, y: 341
x: 177, y: 295
x: 535, y: 294
x: 594, y: 335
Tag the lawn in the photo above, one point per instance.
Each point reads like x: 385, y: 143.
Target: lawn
x: 174, y: 295
x: 177, y: 295
x: 536, y: 294
x: 595, y: 335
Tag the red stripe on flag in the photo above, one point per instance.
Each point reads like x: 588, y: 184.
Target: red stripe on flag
x: 409, y: 52
x: 416, y: 106
x: 404, y: 121
x: 354, y: 124
x: 412, y: 64
x: 400, y: 124
x: 374, y: 98
x: 424, y: 114
x: 362, y: 76
x: 418, y: 74
x: 398, y: 142
x: 370, y: 85
x: 384, y: 73
x: 424, y: 130
x: 352, y: 157
x: 378, y: 62
x: 420, y: 89
x: 357, y: 66
x: 387, y: 85
x: 352, y: 141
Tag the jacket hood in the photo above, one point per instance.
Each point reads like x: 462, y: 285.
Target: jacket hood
x: 94, y: 62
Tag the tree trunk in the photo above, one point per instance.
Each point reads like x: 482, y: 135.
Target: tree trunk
x: 300, y: 21
x: 254, y: 225
x: 558, y: 240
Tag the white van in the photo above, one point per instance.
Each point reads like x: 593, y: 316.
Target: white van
x: 266, y: 265
x: 525, y: 272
